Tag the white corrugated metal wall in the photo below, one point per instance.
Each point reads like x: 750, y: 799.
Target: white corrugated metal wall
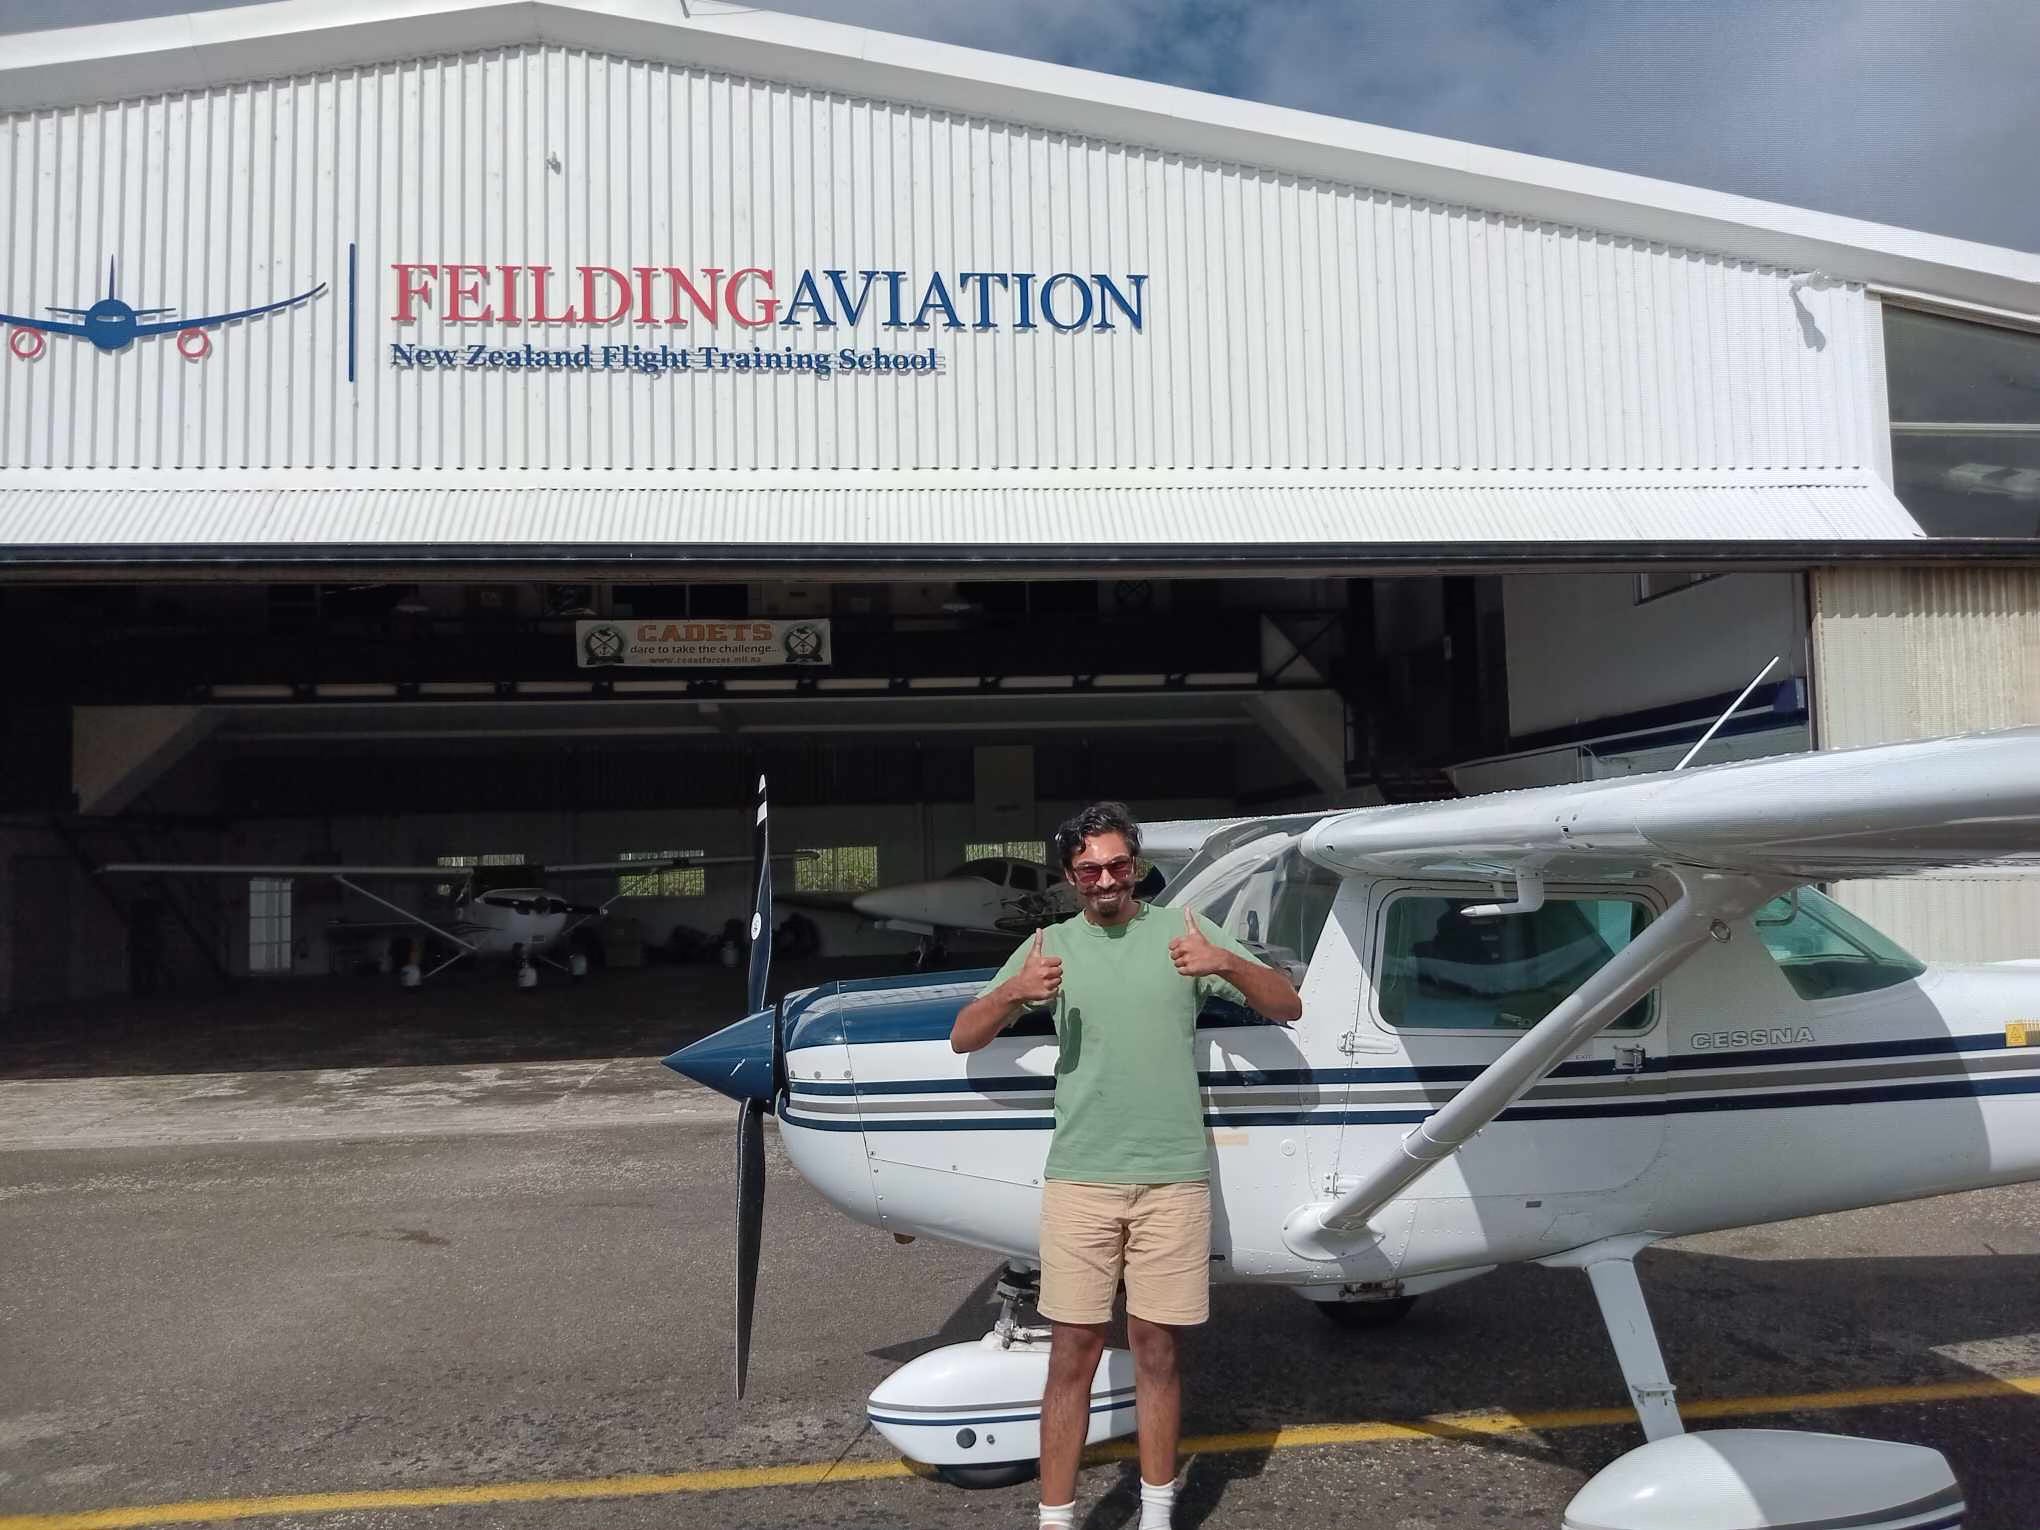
x: 1291, y: 325
x: 1916, y: 653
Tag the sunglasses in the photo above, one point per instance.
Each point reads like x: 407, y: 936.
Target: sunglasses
x: 1090, y: 874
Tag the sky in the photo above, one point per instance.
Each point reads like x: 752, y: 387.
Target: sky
x: 1922, y: 113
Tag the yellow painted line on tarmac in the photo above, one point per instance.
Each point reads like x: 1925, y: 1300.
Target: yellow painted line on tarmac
x: 1441, y: 1426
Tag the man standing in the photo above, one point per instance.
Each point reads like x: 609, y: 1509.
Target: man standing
x: 1127, y: 1187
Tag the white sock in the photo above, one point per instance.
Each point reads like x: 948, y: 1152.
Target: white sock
x: 1157, y: 1505
x: 1059, y: 1516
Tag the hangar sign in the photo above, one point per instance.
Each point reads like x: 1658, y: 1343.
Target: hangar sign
x: 700, y: 644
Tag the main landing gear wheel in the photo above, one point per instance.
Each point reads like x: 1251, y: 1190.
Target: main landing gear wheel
x: 1375, y: 1314
x: 998, y: 1475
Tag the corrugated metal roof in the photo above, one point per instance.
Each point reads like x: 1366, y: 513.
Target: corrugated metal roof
x: 159, y: 55
x: 849, y: 518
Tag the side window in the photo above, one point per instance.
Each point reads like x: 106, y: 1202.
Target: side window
x: 1444, y: 971
x: 1825, y: 951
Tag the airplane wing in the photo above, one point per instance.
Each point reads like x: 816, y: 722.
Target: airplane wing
x: 212, y: 869
x: 1732, y: 833
x: 165, y: 326
x: 50, y: 326
x: 1173, y: 843
x: 672, y: 863
x: 1889, y: 810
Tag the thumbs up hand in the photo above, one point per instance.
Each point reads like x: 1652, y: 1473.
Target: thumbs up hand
x: 1195, y: 956
x: 1039, y: 979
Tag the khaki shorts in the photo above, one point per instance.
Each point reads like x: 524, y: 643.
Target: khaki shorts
x: 1157, y: 1236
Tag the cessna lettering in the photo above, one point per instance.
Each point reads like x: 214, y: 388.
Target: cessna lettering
x: 1776, y: 1036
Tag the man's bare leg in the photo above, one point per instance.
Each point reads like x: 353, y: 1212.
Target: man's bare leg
x: 1158, y: 1391
x: 1073, y: 1355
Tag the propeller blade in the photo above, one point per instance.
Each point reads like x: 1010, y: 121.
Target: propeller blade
x: 750, y: 1223
x: 761, y: 907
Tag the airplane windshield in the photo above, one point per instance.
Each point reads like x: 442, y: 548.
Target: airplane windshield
x: 1826, y: 952
x: 990, y: 871
x: 1268, y: 895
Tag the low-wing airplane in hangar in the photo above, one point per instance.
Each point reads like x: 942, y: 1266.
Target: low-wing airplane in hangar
x: 496, y: 911
x: 1554, y: 1025
x: 992, y: 895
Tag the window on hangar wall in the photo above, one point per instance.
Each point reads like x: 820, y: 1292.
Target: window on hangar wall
x: 1035, y: 850
x: 668, y: 881
x: 269, y: 932
x: 837, y: 869
x: 1965, y: 424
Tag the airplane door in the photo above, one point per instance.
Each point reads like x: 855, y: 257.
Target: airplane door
x: 1450, y: 994
x: 1258, y: 1098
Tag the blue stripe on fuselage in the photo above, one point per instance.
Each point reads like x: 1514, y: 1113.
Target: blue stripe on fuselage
x: 1355, y: 1113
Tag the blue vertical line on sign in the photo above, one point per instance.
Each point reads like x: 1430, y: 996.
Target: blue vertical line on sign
x: 351, y: 328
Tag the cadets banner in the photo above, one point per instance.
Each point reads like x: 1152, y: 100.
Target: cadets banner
x: 692, y: 644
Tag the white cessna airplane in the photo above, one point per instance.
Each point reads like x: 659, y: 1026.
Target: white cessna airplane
x: 497, y: 911
x: 1554, y: 1025
x: 993, y: 895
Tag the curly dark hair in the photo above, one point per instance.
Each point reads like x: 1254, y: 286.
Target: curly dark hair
x: 1098, y: 818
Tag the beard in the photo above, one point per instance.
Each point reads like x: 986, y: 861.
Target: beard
x: 1110, y: 904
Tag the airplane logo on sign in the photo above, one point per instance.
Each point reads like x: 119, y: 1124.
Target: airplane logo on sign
x: 112, y: 324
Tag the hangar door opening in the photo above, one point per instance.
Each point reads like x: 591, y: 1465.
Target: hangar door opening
x: 563, y: 752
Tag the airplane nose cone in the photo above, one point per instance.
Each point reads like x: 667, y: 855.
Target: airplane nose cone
x: 736, y: 1060
x: 907, y: 900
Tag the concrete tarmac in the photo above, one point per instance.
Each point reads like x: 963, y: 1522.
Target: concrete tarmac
x: 410, y: 1280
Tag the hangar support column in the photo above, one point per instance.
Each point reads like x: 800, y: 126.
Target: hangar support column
x: 1903, y: 653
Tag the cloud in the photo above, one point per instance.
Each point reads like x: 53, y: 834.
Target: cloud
x: 1893, y: 110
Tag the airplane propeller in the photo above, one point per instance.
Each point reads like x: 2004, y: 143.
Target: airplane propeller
x: 747, y: 1062
x: 751, y: 1111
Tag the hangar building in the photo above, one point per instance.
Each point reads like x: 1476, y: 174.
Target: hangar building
x: 456, y: 429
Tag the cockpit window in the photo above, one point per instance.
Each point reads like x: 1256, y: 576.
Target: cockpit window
x: 1444, y: 971
x: 1267, y: 894
x: 1826, y: 952
x: 1299, y: 905
x: 1024, y: 877
x: 991, y: 871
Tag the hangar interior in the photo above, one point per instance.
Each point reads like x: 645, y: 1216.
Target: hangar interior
x: 423, y: 723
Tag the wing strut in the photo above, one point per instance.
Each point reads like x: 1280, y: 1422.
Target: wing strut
x: 1330, y: 1229
x: 466, y: 947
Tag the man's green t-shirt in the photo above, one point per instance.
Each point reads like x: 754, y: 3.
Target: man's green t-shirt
x: 1127, y: 1107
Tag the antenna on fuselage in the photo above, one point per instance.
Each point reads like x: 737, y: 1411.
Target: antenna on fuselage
x: 1733, y: 707
x: 109, y: 276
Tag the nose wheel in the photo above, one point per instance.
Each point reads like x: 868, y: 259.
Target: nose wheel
x: 930, y: 953
x: 1019, y: 1285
